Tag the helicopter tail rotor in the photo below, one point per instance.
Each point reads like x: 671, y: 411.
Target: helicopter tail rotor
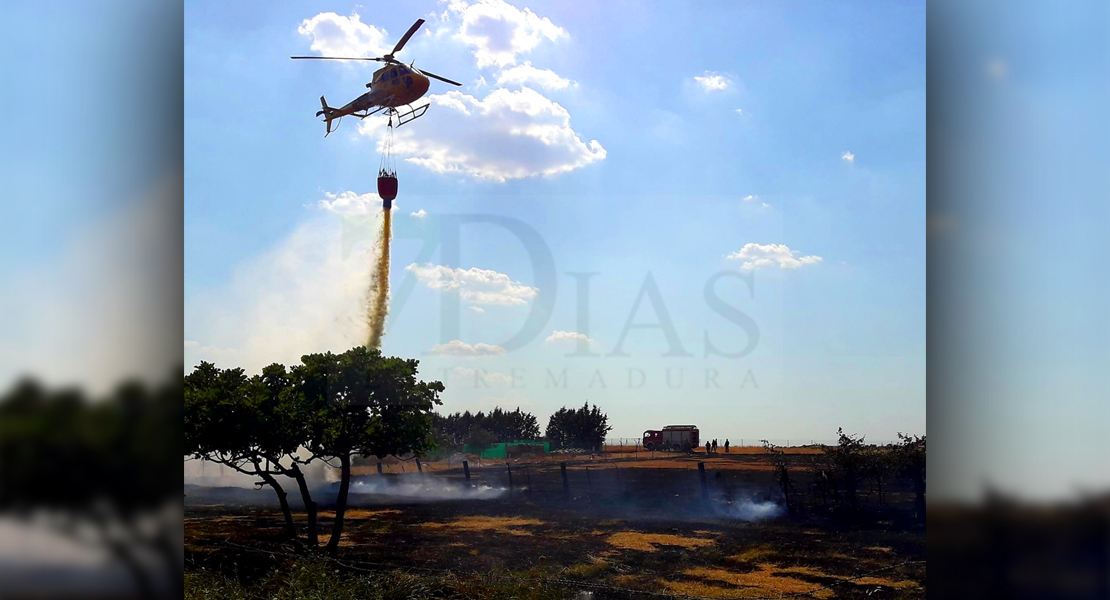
x: 327, y: 113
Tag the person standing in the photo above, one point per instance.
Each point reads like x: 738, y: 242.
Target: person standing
x: 726, y: 445
x: 707, y: 447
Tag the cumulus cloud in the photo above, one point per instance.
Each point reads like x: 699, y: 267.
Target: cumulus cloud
x: 497, y: 31
x: 750, y: 198
x: 461, y: 348
x: 420, y: 214
x: 755, y: 256
x: 712, y: 82
x: 561, y: 336
x: 506, y: 135
x: 335, y: 35
x: 481, y: 376
x: 474, y: 285
x: 352, y: 203
x: 848, y: 156
x: 526, y: 73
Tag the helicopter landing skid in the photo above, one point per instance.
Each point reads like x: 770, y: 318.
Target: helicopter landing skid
x: 402, y: 116
x: 408, y: 116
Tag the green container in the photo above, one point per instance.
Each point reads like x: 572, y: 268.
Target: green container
x: 514, y: 449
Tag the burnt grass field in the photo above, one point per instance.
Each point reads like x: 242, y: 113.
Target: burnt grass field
x: 630, y: 526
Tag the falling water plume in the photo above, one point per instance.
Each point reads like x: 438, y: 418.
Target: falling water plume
x: 379, y: 287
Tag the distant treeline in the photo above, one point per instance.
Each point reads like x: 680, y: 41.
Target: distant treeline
x: 583, y: 428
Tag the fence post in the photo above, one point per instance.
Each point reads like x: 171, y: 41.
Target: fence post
x: 466, y: 471
x: 704, y: 486
x: 379, y: 467
x: 566, y: 484
x: 510, y: 470
x: 418, y: 467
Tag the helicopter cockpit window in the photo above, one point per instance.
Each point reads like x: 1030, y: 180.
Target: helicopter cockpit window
x: 393, y: 73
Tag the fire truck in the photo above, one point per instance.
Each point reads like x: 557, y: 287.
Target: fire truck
x: 679, y: 438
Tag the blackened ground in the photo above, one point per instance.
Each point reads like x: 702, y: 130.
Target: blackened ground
x: 633, y: 523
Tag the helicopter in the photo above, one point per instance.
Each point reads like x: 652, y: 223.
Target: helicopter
x: 394, y: 86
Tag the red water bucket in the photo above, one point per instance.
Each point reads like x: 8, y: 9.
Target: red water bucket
x: 387, y: 189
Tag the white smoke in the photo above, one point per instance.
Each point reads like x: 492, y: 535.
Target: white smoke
x: 747, y: 510
x: 425, y: 489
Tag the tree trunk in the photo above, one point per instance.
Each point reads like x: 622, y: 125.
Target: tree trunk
x: 144, y: 588
x: 919, y: 500
x: 290, y: 528
x: 309, y: 508
x: 340, y: 504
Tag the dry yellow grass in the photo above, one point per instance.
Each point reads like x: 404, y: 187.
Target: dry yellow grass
x: 508, y: 525
x: 344, y: 541
x: 762, y: 582
x: 588, y: 570
x: 634, y: 540
x: 753, y: 554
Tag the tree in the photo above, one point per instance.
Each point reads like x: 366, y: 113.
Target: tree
x: 361, y: 403
x: 99, y: 466
x: 454, y: 430
x: 781, y: 465
x: 250, y: 425
x: 583, y: 428
x: 479, y: 440
x: 910, y: 461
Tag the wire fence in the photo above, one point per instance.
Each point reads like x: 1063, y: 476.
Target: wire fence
x: 633, y: 444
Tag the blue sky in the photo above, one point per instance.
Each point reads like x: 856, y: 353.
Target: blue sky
x: 632, y: 138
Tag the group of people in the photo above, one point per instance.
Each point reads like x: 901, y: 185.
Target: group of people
x: 711, y: 446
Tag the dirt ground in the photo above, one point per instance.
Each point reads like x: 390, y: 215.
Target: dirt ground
x: 631, y: 523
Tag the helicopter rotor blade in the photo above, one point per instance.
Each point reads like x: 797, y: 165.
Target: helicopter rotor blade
x: 444, y: 79
x: 336, y: 58
x: 405, y: 38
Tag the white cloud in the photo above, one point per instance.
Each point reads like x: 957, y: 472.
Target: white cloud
x: 739, y: 111
x: 750, y: 198
x: 498, y: 32
x: 474, y: 285
x: 352, y: 203
x: 560, y: 336
x: 461, y: 348
x: 526, y: 73
x: 478, y: 309
x: 420, y: 214
x: 506, y: 135
x: 755, y: 256
x: 481, y: 375
x: 712, y: 82
x: 335, y: 35
x: 848, y: 156
x: 765, y: 205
